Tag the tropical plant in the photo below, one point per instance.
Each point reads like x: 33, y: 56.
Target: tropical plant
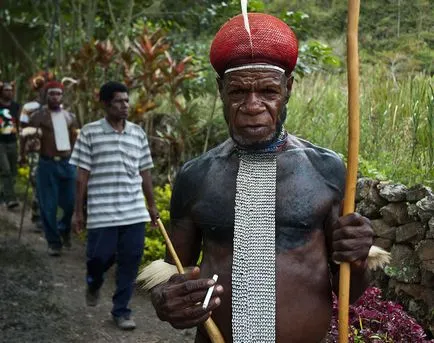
x: 373, y: 319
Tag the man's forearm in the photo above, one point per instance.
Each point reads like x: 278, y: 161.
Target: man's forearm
x: 147, y: 187
x: 81, y: 191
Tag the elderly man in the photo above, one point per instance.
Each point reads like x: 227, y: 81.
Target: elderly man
x: 9, y: 126
x: 264, y: 207
x: 55, y: 177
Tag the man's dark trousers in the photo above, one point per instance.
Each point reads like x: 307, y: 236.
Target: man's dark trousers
x: 55, y: 181
x: 120, y: 244
x: 8, y: 170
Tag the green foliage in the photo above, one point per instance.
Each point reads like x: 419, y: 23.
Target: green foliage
x: 315, y: 56
x: 396, y: 121
x: 162, y: 197
x: 155, y: 248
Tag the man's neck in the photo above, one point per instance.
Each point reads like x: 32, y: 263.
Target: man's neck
x: 277, y: 143
x: 54, y: 109
x: 118, y: 125
x: 5, y: 102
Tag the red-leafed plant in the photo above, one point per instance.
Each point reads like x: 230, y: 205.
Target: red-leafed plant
x: 373, y: 319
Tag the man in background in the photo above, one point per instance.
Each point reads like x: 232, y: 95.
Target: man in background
x: 55, y: 178
x: 9, y: 126
x: 114, y: 162
x: 30, y: 144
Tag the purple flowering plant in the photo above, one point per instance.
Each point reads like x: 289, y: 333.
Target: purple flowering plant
x: 375, y: 320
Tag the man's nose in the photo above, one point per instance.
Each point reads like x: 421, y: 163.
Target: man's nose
x: 252, y: 104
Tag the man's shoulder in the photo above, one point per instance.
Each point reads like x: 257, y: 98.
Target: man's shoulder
x: 40, y: 112
x: 326, y: 162
x: 312, y: 150
x: 136, y: 128
x: 215, y: 154
x: 92, y: 127
x: 68, y: 112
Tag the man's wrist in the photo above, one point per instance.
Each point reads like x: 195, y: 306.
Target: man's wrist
x: 359, y: 266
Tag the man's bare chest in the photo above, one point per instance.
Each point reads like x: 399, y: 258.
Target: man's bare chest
x: 301, y: 204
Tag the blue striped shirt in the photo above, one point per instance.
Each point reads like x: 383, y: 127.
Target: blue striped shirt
x: 114, y: 160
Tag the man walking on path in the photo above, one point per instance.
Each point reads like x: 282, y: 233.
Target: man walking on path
x: 9, y: 126
x: 30, y: 144
x: 114, y: 161
x: 55, y: 179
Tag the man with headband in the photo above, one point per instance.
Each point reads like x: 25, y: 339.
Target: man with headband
x: 55, y: 179
x: 264, y: 207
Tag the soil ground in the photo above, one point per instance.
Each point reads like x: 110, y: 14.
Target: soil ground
x: 42, y: 297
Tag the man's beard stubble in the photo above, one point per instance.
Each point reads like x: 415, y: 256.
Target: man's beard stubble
x: 241, y: 142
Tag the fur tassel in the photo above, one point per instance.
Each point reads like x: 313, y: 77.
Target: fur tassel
x: 377, y: 258
x: 156, y: 273
x: 30, y: 131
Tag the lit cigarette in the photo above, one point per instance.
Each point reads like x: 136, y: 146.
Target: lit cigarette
x: 209, y: 293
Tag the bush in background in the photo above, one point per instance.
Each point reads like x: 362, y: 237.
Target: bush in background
x: 155, y: 248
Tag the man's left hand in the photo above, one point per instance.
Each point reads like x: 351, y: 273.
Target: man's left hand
x: 153, y: 212
x: 352, y: 239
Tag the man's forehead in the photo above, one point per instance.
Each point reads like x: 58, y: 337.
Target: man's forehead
x: 120, y: 95
x: 254, y: 75
x: 54, y: 91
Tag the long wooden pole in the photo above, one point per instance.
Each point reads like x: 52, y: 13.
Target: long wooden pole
x: 210, y: 327
x: 353, y: 152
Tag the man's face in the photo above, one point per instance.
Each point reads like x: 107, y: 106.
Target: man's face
x: 118, y: 107
x: 7, y: 93
x: 253, y: 101
x: 54, y: 98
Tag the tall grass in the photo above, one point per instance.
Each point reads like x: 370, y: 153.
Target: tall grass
x: 397, y: 121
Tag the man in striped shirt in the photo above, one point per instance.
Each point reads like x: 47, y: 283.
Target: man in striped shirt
x: 114, y: 161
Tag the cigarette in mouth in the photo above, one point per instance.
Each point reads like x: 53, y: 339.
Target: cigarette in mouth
x: 209, y: 293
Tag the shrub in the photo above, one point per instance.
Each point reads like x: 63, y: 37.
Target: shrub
x: 155, y: 247
x: 375, y: 320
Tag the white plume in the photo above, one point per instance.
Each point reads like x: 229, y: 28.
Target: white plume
x: 245, y: 16
x: 246, y: 21
x: 69, y: 79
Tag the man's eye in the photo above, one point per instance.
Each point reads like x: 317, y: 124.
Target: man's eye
x: 237, y: 92
x: 270, y: 91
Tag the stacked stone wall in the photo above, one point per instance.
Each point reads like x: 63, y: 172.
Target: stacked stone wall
x: 403, y: 222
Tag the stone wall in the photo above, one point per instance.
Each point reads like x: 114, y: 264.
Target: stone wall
x: 403, y: 221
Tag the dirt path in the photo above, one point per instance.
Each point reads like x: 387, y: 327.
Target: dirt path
x: 42, y: 297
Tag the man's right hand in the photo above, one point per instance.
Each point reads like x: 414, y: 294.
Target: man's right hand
x: 78, y: 222
x: 22, y: 161
x: 179, y: 300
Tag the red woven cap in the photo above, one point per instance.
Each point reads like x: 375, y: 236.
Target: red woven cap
x: 273, y: 42
x: 53, y: 84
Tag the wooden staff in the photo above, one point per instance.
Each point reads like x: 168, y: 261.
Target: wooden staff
x: 353, y: 151
x: 210, y: 327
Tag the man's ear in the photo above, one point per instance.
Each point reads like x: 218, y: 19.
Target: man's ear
x: 289, y: 82
x: 220, y: 86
